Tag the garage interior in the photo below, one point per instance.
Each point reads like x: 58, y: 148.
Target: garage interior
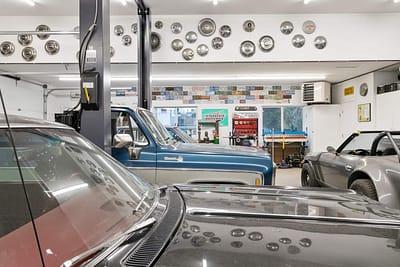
x: 356, y: 68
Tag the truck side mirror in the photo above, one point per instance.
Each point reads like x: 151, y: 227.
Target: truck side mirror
x: 331, y: 149
x: 126, y: 141
x: 123, y: 140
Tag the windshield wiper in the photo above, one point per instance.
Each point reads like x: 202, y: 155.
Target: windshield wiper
x: 146, y: 194
x: 101, y: 251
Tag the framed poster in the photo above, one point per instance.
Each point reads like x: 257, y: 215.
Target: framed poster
x: 364, y: 112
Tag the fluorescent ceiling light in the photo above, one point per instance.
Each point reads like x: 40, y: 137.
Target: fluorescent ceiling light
x: 69, y: 78
x: 265, y: 77
x: 30, y: 2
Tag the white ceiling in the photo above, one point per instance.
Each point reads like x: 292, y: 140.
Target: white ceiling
x: 334, y: 72
x: 172, y: 7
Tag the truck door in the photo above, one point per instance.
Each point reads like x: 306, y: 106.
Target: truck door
x: 144, y: 165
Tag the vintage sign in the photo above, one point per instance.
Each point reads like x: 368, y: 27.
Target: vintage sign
x: 349, y: 91
x: 216, y: 114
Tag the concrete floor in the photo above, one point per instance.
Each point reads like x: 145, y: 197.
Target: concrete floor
x: 288, y: 177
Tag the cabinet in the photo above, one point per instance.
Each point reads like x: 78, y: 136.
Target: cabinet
x: 321, y: 124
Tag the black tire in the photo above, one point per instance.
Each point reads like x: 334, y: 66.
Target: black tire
x: 365, y: 187
x: 308, y: 176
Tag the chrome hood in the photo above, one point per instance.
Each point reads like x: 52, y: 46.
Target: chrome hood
x: 282, y: 226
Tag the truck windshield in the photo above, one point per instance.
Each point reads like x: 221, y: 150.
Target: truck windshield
x: 158, y: 131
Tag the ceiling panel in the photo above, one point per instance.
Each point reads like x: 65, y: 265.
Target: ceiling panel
x: 334, y: 72
x: 172, y: 7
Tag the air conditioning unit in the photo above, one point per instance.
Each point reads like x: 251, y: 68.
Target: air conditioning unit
x: 317, y: 92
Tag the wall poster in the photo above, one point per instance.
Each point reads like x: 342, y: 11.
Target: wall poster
x: 364, y: 112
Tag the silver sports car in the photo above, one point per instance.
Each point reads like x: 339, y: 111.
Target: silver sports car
x: 367, y: 162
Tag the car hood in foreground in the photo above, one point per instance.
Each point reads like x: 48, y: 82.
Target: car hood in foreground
x: 280, y: 226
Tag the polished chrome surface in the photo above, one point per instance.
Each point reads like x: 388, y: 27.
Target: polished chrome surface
x: 25, y: 39
x: 363, y: 89
x: 7, y: 48
x: 225, y: 31
x: 177, y: 45
x: 287, y: 27
x: 298, y: 40
x: 320, y: 42
x: 52, y: 47
x: 202, y: 50
x: 206, y: 27
x: 43, y: 28
x: 176, y: 27
x: 266, y: 43
x: 134, y: 28
x: 247, y: 48
x: 126, y: 40
x: 158, y: 24
x: 309, y: 27
x: 76, y: 29
x: 187, y: 54
x: 118, y: 30
x: 191, y: 37
x: 217, y: 43
x: 112, y: 51
x: 155, y: 41
x: 29, y: 53
x: 249, y: 26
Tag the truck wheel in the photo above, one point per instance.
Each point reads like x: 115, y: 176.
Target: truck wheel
x: 365, y: 187
x: 307, y: 176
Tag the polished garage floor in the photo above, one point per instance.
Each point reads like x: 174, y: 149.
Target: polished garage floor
x: 288, y: 176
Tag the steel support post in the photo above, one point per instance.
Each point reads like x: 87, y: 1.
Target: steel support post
x: 144, y: 56
x: 96, y: 124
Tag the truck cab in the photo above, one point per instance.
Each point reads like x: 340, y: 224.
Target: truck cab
x: 143, y: 144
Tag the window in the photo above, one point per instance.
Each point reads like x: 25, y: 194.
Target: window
x: 184, y: 118
x: 283, y: 119
x: 79, y: 196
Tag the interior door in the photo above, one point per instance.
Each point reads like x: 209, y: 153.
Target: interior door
x: 145, y: 165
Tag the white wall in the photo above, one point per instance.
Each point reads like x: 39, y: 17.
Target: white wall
x: 22, y: 98
x: 350, y: 37
x: 349, y: 105
x: 384, y: 112
x: 387, y: 113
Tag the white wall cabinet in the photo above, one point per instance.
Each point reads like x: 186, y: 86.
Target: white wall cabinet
x: 321, y: 123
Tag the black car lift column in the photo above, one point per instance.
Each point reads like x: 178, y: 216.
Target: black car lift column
x: 144, y: 55
x: 96, y: 73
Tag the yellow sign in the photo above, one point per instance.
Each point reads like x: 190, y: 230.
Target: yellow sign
x: 349, y: 91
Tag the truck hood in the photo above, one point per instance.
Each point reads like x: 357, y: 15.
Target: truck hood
x: 282, y: 226
x: 219, y: 149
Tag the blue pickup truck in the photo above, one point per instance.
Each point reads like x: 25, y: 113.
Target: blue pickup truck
x: 143, y: 144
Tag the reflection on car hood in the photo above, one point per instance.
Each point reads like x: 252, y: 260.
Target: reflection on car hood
x: 281, y: 226
x: 220, y: 149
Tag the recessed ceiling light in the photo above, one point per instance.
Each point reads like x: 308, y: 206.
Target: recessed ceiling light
x: 123, y: 2
x: 396, y: 1
x: 30, y: 2
x: 306, y: 2
x: 215, y: 2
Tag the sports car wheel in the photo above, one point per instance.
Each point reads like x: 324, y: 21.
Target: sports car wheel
x: 307, y: 176
x: 365, y: 187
